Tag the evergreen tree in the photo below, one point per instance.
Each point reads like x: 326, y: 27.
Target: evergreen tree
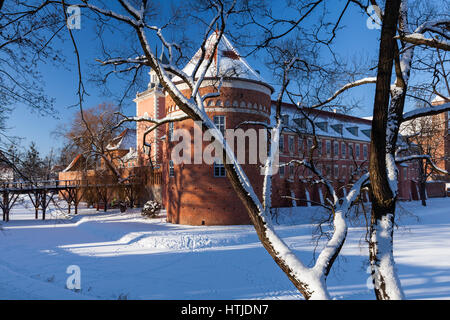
x: 32, y: 165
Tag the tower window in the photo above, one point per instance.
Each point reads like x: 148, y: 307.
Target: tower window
x: 171, y: 169
x: 219, y: 121
x: 170, y: 131
x: 219, y: 169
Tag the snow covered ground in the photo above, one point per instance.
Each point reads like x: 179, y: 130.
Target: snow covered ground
x: 126, y: 256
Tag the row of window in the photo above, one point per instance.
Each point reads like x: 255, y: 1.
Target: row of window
x: 218, y: 169
x: 338, y: 170
x: 341, y: 149
x: 219, y: 121
x: 236, y: 104
x: 324, y: 126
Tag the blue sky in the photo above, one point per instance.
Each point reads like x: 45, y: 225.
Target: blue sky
x: 355, y: 40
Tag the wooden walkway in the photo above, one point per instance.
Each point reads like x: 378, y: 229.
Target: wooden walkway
x: 41, y: 193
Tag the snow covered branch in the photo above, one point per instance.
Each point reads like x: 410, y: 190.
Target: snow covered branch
x: 424, y: 157
x: 419, y: 39
x: 146, y: 118
x: 345, y: 88
x: 422, y: 112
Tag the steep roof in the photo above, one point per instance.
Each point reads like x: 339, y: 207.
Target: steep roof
x: 327, y: 124
x: 227, y: 61
x: 125, y: 140
x: 75, y: 163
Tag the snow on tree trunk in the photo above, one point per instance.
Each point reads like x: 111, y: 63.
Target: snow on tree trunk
x: 383, y: 171
x: 386, y: 282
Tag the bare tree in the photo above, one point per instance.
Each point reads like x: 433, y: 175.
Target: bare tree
x: 91, y: 134
x: 388, y: 114
x: 389, y: 111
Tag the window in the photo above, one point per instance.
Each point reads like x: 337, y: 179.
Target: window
x: 365, y: 152
x: 300, y: 145
x: 350, y: 150
x: 350, y: 170
x: 405, y: 173
x: 219, y: 121
x: 301, y: 122
x: 336, y: 171
x: 291, y: 169
x: 319, y: 147
x: 337, y: 128
x: 281, y: 146
x: 319, y: 168
x: 170, y: 131
x: 343, y: 150
x: 219, y: 169
x: 328, y: 146
x: 310, y: 143
x: 328, y: 170
x: 291, y: 143
x: 322, y: 126
x: 367, y: 132
x: 281, y: 169
x: 358, y: 151
x: 336, y: 149
x: 171, y: 169
x: 353, y: 130
x: 343, y: 171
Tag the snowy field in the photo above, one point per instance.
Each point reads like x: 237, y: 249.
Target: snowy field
x: 126, y: 256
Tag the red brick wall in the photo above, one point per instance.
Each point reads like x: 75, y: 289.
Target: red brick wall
x: 194, y: 196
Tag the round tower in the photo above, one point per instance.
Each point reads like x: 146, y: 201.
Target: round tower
x: 199, y: 193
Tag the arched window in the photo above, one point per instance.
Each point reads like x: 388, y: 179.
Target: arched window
x: 227, y: 103
x: 242, y: 104
x: 210, y: 103
x: 219, y: 103
x: 235, y: 103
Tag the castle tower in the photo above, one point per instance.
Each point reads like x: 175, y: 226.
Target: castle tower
x: 150, y: 103
x: 200, y: 194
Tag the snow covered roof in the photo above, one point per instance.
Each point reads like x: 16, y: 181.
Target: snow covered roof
x: 125, y: 140
x: 328, y: 124
x: 71, y: 165
x: 227, y: 61
x: 439, y: 100
x: 131, y: 155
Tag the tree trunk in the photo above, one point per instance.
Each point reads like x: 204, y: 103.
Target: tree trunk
x: 422, y: 184
x: 383, y: 193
